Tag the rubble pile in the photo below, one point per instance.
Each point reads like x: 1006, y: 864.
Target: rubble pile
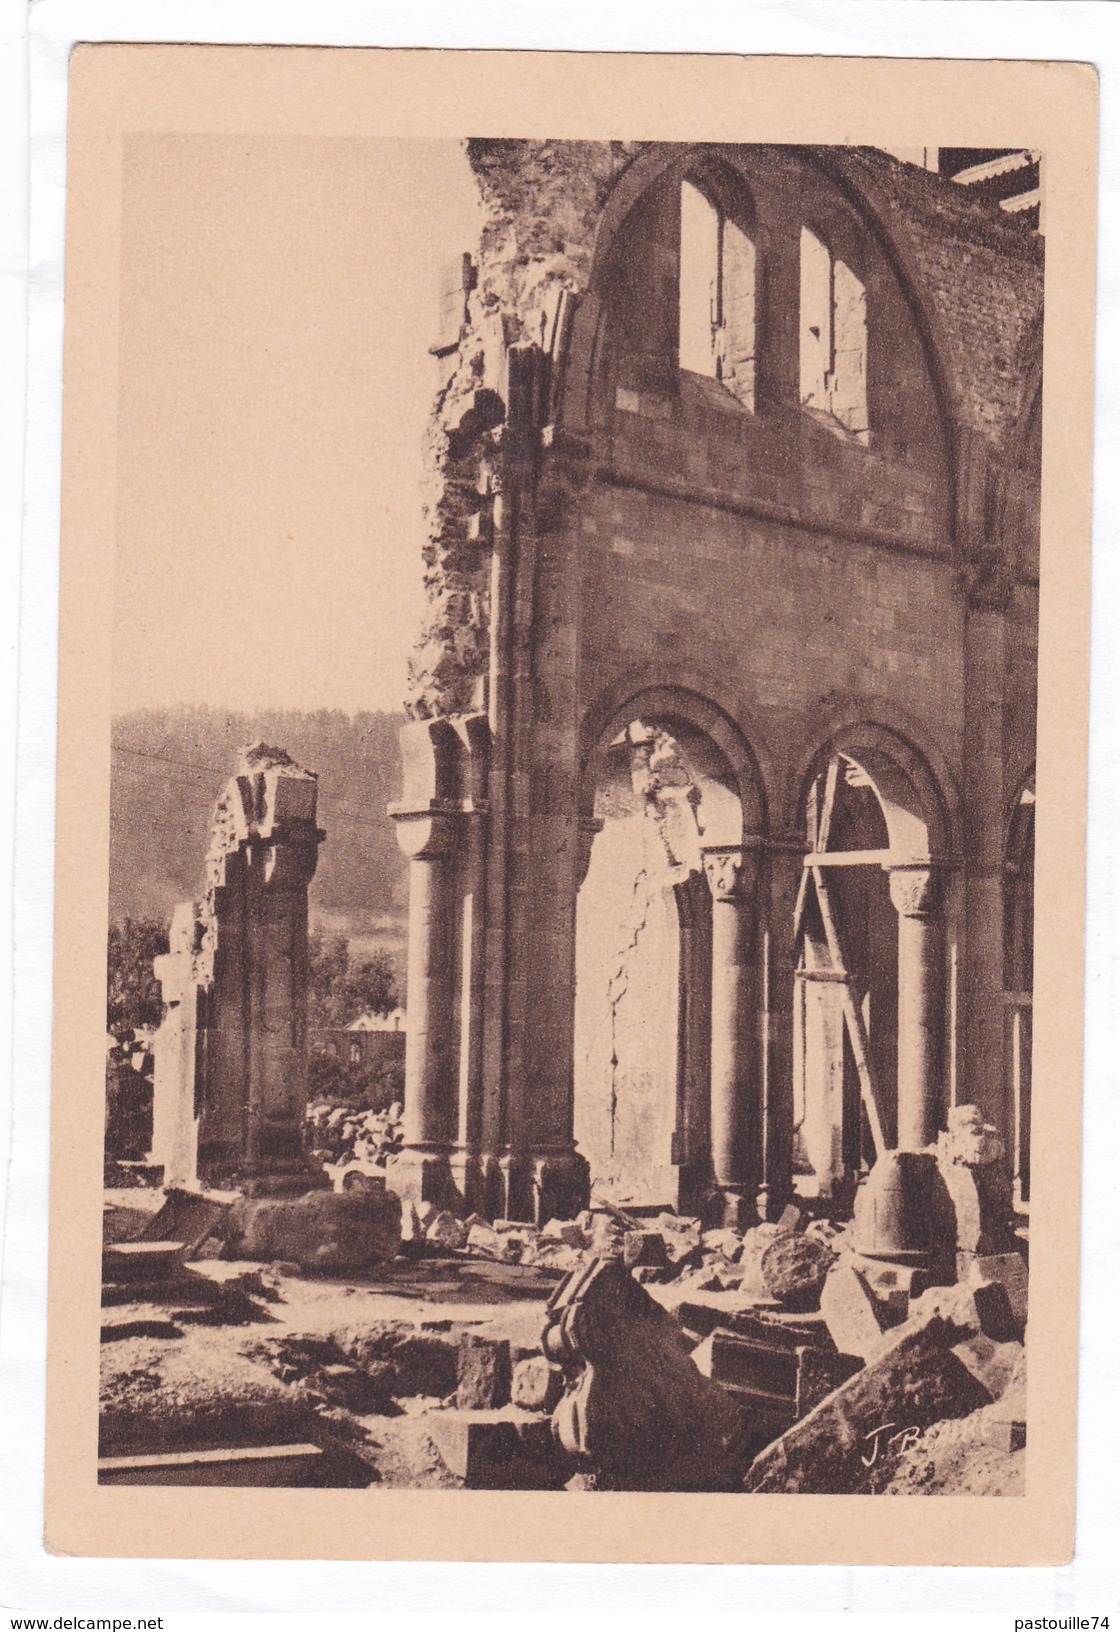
x: 786, y: 1261
x: 343, y: 1137
x: 795, y: 1355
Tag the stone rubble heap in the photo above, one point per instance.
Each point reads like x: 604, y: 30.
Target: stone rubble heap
x: 787, y: 1261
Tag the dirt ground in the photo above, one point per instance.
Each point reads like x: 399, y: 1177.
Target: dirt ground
x: 228, y: 1353
x: 235, y: 1352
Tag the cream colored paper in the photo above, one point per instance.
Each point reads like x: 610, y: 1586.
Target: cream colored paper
x: 122, y: 96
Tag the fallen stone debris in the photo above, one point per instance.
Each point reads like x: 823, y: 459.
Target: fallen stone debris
x: 606, y: 1352
x: 282, y: 1307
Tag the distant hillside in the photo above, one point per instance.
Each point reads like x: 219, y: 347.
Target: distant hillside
x: 168, y: 766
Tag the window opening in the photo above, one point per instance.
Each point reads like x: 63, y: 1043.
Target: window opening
x: 717, y: 296
x: 833, y: 338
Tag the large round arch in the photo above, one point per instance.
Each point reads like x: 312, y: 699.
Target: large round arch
x: 585, y: 350
x: 870, y: 1018
x: 691, y: 700
x: 668, y: 780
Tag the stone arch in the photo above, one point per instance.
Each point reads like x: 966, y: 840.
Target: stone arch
x: 585, y: 350
x: 870, y: 1014
x: 914, y: 784
x: 670, y: 792
x: 696, y: 701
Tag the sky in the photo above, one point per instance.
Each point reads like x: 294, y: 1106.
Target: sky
x: 278, y: 298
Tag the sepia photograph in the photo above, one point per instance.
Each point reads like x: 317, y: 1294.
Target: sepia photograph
x: 567, y: 774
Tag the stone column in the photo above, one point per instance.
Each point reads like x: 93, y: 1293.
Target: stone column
x: 176, y: 1050
x: 430, y: 822
x: 915, y: 893
x: 468, y: 1161
x: 784, y: 856
x: 436, y: 829
x: 430, y: 1066
x: 731, y: 875
x: 986, y: 585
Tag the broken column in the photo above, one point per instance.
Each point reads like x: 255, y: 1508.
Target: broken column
x: 902, y: 1213
x: 638, y: 1412
x: 970, y: 1156
x: 730, y: 873
x: 231, y: 1054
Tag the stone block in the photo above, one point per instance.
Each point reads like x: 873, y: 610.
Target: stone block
x: 1010, y: 1270
x: 537, y: 1384
x: 967, y: 1140
x: 728, y: 1243
x: 755, y: 1244
x: 554, y: 1255
x: 497, y: 1450
x: 568, y: 1231
x: 682, y: 1235
x: 855, y: 1317
x: 994, y: 1312
x: 1005, y: 1433
x: 484, y: 1241
x: 483, y: 1373
x: 606, y: 1236
x: 323, y: 1230
x: 644, y: 1249
x: 980, y: 1199
x: 983, y: 1307
x: 912, y: 1380
x: 446, y: 1231
x: 992, y: 1364
x: 260, y: 1465
x: 794, y: 1269
x: 640, y: 1412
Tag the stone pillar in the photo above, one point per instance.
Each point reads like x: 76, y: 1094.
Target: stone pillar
x: 783, y: 875
x: 428, y: 821
x: 916, y: 896
x: 986, y: 585
x: 468, y: 1160
x: 176, y: 1050
x: 735, y: 1114
x: 232, y: 1052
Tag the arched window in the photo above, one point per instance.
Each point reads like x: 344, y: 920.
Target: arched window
x: 833, y: 338
x: 717, y: 295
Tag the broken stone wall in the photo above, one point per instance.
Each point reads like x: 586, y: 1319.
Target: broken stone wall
x: 541, y: 202
x: 646, y: 529
x: 231, y: 1053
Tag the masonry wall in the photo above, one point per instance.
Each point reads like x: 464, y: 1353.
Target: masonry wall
x: 604, y: 523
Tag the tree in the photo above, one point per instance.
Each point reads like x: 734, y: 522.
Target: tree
x: 338, y: 990
x: 133, y: 994
x: 328, y: 958
x: 370, y: 987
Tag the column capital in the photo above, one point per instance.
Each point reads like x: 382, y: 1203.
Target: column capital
x: 426, y: 832
x: 731, y: 871
x: 916, y: 889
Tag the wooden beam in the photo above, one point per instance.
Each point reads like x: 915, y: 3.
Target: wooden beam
x: 849, y: 858
x: 857, y: 1032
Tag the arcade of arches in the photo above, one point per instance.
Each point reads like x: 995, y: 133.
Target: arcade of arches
x: 717, y: 786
